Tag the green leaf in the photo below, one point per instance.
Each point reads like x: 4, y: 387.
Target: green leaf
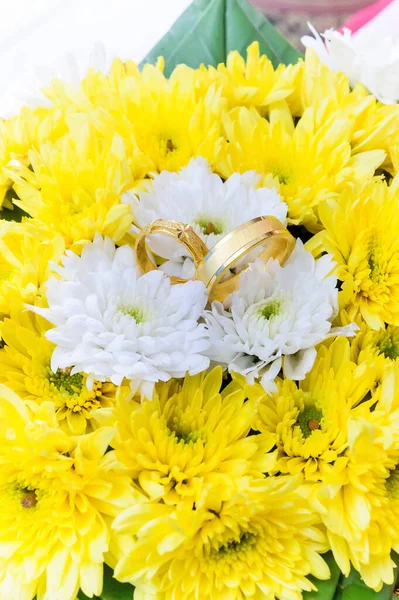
x: 358, y: 592
x: 209, y: 29
x: 325, y: 589
x: 15, y: 214
x: 112, y: 589
x: 242, y: 19
x: 354, y: 588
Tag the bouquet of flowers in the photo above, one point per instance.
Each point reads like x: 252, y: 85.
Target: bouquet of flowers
x: 199, y: 301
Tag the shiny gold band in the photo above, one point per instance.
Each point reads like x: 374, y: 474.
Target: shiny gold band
x: 184, y: 234
x: 238, y: 243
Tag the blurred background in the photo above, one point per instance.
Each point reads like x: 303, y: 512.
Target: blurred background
x: 39, y: 33
x: 291, y: 16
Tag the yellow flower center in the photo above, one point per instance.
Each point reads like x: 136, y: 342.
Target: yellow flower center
x: 235, y: 548
x: 75, y: 208
x: 170, y: 146
x: 168, y: 143
x: 24, y: 494
x: 28, y: 499
x: 377, y: 275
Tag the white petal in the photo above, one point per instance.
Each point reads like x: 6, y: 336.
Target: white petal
x: 364, y: 58
x: 297, y: 365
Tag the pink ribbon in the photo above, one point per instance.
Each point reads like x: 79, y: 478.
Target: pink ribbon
x: 364, y: 16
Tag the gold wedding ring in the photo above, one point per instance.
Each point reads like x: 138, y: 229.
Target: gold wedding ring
x: 184, y: 234
x: 238, y: 243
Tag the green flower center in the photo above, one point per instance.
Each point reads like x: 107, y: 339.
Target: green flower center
x: 209, y: 226
x: 388, y: 343
x: 235, y: 547
x: 309, y: 420
x: 183, y: 429
x: 64, y: 381
x: 270, y: 309
x: 392, y: 483
x: 282, y: 176
x: 135, y: 312
x: 376, y: 264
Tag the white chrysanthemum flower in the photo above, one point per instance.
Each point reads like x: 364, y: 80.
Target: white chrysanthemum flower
x: 200, y: 198
x: 364, y: 58
x: 276, y: 318
x: 112, y: 323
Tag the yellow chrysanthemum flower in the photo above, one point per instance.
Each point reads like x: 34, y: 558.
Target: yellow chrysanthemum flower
x: 190, y: 440
x: 374, y: 126
x: 317, y: 85
x: 75, y: 185
x: 370, y: 126
x: 378, y: 127
x: 394, y: 154
x: 360, y: 509
x: 97, y: 100
x: 309, y: 419
x: 381, y: 346
x: 161, y: 121
x: 28, y: 130
x: 361, y: 233
x: 262, y: 544
x: 55, y: 493
x: 251, y: 82
x: 25, y: 252
x: 383, y: 531
x: 25, y: 367
x: 312, y: 163
x: 96, y: 88
x: 342, y: 438
x: 327, y: 92
x: 165, y: 119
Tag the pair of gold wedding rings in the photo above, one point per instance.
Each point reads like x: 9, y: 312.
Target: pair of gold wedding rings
x: 212, y: 265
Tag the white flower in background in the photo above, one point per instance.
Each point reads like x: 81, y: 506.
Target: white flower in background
x: 364, y: 58
x: 276, y: 318
x: 112, y: 323
x: 200, y: 198
x: 70, y: 68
